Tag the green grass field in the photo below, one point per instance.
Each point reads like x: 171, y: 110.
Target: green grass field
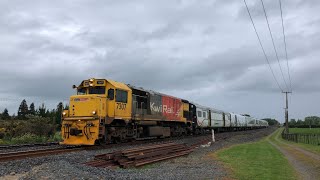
x: 305, y: 130
x: 259, y: 160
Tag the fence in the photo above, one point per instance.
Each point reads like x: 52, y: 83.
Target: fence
x: 313, y: 139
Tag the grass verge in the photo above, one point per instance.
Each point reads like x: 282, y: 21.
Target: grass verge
x: 31, y: 138
x: 258, y: 160
x: 277, y: 136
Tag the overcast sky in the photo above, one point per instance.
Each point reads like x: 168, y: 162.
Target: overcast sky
x: 204, y: 51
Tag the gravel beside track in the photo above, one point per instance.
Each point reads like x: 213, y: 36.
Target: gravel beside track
x: 197, y: 165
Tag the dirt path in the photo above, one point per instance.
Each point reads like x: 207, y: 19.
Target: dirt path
x: 306, y: 163
x: 306, y: 152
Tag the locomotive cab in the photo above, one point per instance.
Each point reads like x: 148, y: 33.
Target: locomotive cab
x: 97, y: 103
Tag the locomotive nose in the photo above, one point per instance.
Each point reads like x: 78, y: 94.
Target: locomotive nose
x: 84, y: 106
x: 75, y: 132
x: 81, y: 123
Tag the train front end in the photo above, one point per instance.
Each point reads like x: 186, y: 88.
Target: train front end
x: 83, y: 124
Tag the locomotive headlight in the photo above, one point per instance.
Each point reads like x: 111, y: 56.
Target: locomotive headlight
x: 65, y: 113
x: 94, y: 112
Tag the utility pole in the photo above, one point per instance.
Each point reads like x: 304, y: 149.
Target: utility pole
x: 286, y: 112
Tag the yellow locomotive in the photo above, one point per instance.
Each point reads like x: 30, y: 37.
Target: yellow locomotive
x: 105, y: 111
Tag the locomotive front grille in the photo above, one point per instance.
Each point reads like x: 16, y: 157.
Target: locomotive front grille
x: 75, y: 132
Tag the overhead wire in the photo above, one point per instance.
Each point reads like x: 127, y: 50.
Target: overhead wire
x: 264, y: 52
x: 274, y: 47
x: 285, y: 46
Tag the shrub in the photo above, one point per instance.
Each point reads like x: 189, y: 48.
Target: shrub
x: 2, y: 133
x: 33, y: 129
x: 40, y: 126
x: 36, y: 125
x: 56, y: 137
x: 28, y: 138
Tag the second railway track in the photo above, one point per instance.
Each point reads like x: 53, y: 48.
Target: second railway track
x: 28, y: 145
x: 36, y: 153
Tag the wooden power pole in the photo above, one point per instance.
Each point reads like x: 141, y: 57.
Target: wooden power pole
x: 286, y: 112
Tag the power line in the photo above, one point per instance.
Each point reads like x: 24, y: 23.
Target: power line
x: 285, y: 46
x: 274, y: 47
x: 264, y: 52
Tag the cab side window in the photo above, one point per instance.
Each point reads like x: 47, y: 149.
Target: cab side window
x: 111, y: 94
x: 121, y: 96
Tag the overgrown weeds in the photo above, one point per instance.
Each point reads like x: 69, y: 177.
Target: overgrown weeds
x: 33, y: 130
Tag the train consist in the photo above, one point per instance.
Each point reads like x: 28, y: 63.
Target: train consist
x: 105, y: 111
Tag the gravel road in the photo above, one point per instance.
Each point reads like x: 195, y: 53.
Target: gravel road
x: 197, y: 165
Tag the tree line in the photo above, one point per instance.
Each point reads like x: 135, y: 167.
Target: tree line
x: 25, y: 112
x: 271, y: 121
x: 309, y: 121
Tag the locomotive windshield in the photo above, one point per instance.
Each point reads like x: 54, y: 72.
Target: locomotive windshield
x: 97, y: 90
x: 91, y: 90
x: 81, y: 91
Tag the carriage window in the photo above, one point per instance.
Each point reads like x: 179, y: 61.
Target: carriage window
x: 121, y: 96
x: 199, y: 113
x: 204, y: 114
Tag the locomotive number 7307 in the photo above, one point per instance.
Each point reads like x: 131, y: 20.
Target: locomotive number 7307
x: 121, y: 106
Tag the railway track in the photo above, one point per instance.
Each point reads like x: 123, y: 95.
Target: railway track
x: 204, y: 139
x: 36, y: 153
x: 28, y: 145
x: 9, y: 156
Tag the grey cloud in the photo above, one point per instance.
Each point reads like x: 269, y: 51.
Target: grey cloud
x: 205, y: 51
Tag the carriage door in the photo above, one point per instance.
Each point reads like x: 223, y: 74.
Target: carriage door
x: 236, y: 120
x: 209, y: 123
x: 121, y: 103
x: 110, y: 103
x: 193, y: 114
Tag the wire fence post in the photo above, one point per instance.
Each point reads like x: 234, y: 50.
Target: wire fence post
x: 313, y: 139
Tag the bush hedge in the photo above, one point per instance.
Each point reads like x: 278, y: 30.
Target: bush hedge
x: 34, y: 129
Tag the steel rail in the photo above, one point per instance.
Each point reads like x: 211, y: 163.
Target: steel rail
x: 36, y: 153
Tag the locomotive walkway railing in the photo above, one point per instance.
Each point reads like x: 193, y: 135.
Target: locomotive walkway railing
x: 313, y: 139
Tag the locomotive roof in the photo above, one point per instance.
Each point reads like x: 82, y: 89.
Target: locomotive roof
x: 118, y: 85
x: 153, y: 92
x: 208, y: 108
